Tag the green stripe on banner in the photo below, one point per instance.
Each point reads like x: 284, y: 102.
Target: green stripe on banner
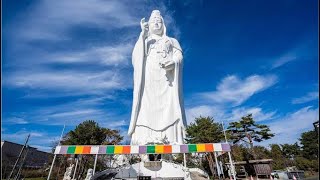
x: 151, y: 149
x: 192, y: 148
x: 110, y: 150
x: 71, y: 150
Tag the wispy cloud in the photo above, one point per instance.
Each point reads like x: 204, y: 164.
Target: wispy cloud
x: 234, y: 90
x: 283, y: 60
x: 257, y: 114
x: 289, y: 127
x: 105, y: 55
x: 68, y: 82
x: 50, y: 20
x: 72, y: 113
x: 16, y: 120
x: 311, y: 96
x: 303, y: 50
x: 222, y: 113
x: 216, y: 112
x: 37, y: 138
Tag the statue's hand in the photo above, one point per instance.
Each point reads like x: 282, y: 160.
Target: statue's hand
x: 168, y: 65
x: 144, y: 27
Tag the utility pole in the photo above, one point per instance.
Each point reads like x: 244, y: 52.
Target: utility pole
x: 15, y: 164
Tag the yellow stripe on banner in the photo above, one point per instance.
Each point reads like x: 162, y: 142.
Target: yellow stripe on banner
x: 118, y: 149
x: 201, y: 147
x: 159, y: 149
x: 78, y: 150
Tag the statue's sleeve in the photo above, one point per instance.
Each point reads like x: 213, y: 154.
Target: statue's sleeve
x: 137, y: 62
x: 177, y: 51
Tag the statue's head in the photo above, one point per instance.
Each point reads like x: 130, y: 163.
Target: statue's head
x: 156, y: 23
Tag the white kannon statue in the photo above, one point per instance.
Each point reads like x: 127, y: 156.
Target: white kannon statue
x: 89, y: 174
x: 157, y: 111
x: 67, y: 174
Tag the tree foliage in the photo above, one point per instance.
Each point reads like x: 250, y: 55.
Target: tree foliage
x: 204, y: 130
x: 90, y: 133
x: 277, y: 155
x: 290, y: 150
x: 247, y: 130
x: 310, y: 144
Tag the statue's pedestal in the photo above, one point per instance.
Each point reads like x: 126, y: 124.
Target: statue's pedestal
x: 155, y: 170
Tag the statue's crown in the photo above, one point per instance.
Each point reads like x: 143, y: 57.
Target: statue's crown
x: 155, y: 13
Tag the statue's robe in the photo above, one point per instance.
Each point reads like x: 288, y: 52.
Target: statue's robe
x: 157, y: 109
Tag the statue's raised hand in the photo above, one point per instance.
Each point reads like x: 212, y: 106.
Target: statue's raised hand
x: 144, y: 27
x: 168, y: 65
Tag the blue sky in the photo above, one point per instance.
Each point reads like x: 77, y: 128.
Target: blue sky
x: 69, y: 61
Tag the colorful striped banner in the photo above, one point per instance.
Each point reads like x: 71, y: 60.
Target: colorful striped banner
x: 147, y: 149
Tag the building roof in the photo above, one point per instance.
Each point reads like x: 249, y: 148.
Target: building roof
x: 260, y: 161
x: 4, y: 142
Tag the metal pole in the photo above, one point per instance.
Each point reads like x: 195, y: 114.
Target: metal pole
x: 64, y: 126
x: 222, y: 169
x: 184, y: 160
x: 54, y: 159
x: 95, y: 164
x: 22, y: 163
x: 229, y: 153
x: 75, y: 169
x: 231, y: 166
x: 217, y: 164
x: 15, y: 164
x: 224, y: 132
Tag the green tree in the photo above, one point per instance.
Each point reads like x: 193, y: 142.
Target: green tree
x: 205, y: 130
x: 261, y: 152
x: 277, y: 156
x: 310, y: 144
x: 239, y: 152
x: 290, y: 151
x: 247, y: 130
x: 90, y: 133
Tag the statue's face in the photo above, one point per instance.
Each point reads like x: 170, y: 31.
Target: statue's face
x: 156, y: 25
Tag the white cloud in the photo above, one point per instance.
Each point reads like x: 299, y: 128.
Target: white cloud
x: 107, y: 55
x: 50, y: 20
x: 222, y: 113
x: 289, y: 128
x: 236, y: 91
x: 75, y: 83
x: 303, y: 50
x: 114, y: 124
x: 257, y: 114
x: 16, y: 120
x: 74, y: 112
x: 311, y: 96
x: 37, y: 139
x: 283, y: 60
x: 213, y: 111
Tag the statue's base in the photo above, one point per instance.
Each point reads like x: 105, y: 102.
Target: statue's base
x: 157, y: 170
x: 153, y: 164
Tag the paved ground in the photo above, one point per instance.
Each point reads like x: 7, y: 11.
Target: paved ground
x: 312, y: 178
